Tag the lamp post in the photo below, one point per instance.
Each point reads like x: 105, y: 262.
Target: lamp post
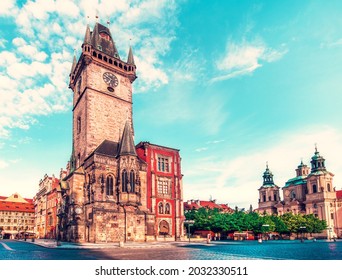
x: 302, y: 229
x: 329, y: 234
x: 265, y: 229
x: 189, y: 223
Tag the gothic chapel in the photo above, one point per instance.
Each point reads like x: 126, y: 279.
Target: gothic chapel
x: 114, y: 191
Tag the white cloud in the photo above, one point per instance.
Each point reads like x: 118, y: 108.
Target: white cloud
x: 3, y: 164
x: 244, y: 58
x: 8, y: 8
x: 7, y: 58
x: 66, y: 7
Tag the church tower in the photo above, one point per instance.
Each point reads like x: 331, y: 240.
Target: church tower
x: 321, y: 195
x: 102, y: 92
x: 104, y: 193
x: 268, y: 193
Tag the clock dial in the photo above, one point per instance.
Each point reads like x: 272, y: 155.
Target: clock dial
x: 78, y: 210
x: 110, y: 79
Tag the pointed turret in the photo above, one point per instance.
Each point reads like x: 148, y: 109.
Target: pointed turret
x: 87, y: 36
x: 127, y: 146
x: 130, y: 59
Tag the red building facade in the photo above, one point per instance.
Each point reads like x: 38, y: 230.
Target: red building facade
x: 164, y: 188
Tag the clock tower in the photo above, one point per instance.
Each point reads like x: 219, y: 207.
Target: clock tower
x: 111, y: 191
x: 102, y: 92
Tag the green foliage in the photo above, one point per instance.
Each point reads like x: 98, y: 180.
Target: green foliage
x: 216, y: 221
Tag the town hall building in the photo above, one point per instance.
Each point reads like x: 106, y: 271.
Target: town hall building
x: 114, y: 190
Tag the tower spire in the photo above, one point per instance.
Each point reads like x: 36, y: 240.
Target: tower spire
x: 130, y: 59
x: 87, y: 36
x: 127, y: 146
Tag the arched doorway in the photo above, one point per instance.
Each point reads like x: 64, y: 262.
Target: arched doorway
x: 164, y: 228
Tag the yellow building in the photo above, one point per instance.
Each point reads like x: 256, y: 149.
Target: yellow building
x: 16, y: 217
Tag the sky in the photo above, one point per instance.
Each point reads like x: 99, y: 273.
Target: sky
x: 232, y: 84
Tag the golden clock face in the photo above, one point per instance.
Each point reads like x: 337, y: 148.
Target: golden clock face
x: 110, y: 79
x: 78, y: 210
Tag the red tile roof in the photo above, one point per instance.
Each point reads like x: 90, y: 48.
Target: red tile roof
x: 339, y: 194
x: 195, y: 204
x: 16, y: 206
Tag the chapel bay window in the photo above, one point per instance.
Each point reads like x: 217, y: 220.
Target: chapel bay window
x: 124, y: 181
x: 132, y: 181
x: 109, y: 185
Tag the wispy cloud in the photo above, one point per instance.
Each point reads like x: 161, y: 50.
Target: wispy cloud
x: 236, y: 179
x: 244, y: 58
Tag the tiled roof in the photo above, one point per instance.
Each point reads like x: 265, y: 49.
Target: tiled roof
x: 339, y: 194
x: 16, y: 206
x: 196, y: 204
x: 107, y: 148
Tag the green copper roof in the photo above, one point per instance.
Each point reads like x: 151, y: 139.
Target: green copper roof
x: 296, y: 181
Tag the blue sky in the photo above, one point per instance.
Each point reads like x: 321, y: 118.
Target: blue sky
x: 232, y: 84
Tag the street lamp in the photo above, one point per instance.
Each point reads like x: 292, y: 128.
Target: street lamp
x: 265, y: 229
x: 189, y: 223
x: 330, y: 231
x: 302, y: 229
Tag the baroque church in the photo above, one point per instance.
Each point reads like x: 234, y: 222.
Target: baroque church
x: 311, y: 191
x: 114, y: 190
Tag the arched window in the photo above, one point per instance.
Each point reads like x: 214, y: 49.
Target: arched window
x: 264, y: 198
x: 328, y: 187
x: 293, y: 194
x: 160, y: 208
x: 164, y: 228
x: 79, y: 123
x: 167, y: 208
x: 124, y: 181
x: 109, y: 185
x: 132, y: 180
x: 314, y: 188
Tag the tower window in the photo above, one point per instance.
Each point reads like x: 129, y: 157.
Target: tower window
x: 79, y: 85
x: 79, y: 125
x: 328, y: 187
x: 124, y: 181
x: 109, y: 185
x: 132, y: 181
x: 314, y: 188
